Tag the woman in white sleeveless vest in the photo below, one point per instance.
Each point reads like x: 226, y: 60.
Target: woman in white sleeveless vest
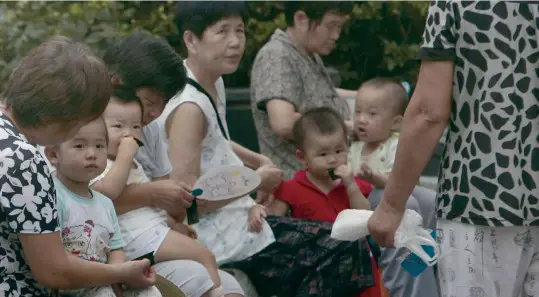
x: 282, y: 256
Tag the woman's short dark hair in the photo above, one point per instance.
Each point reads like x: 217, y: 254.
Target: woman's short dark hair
x: 59, y: 81
x: 144, y: 61
x: 197, y: 16
x: 315, y: 10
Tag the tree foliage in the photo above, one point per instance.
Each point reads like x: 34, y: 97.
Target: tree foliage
x: 381, y: 38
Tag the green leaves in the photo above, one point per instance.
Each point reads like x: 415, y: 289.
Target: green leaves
x: 381, y: 38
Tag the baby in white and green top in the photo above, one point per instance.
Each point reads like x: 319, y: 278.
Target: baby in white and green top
x: 379, y: 108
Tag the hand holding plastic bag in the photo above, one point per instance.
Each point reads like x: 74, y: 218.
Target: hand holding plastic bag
x: 351, y: 225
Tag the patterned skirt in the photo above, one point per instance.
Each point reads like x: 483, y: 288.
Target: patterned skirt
x: 305, y: 261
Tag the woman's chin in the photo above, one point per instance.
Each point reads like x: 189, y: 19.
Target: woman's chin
x: 229, y: 68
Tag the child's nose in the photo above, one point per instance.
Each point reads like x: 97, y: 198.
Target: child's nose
x: 90, y: 153
x: 331, y: 158
x: 362, y: 119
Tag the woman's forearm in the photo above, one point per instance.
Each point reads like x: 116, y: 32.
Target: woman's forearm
x: 134, y: 196
x: 417, y: 143
x: 91, y: 274
x: 77, y: 273
x: 250, y: 159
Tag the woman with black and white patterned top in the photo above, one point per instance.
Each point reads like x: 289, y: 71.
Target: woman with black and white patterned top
x: 57, y: 88
x: 479, y: 75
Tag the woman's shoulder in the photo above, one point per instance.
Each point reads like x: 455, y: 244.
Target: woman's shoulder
x: 273, y: 50
x: 20, y: 158
x: 188, y: 95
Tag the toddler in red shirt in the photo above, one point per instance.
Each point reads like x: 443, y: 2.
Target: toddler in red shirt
x: 327, y: 186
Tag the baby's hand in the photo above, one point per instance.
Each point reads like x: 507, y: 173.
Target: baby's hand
x: 365, y: 172
x: 128, y: 148
x: 345, y: 173
x: 257, y: 214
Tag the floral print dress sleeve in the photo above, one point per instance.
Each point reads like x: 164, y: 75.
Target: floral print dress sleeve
x: 27, y: 206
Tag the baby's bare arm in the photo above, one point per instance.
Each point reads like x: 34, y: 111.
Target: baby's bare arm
x: 113, y: 183
x: 379, y: 180
x: 278, y: 208
x: 357, y: 199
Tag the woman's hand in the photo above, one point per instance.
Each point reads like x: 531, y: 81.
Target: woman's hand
x: 257, y: 214
x: 271, y: 178
x: 137, y: 274
x: 384, y: 222
x: 172, y: 196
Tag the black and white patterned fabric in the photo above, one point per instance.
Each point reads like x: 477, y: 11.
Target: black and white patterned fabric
x: 28, y: 206
x: 490, y: 166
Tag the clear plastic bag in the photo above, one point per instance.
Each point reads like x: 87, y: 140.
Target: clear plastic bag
x: 351, y: 224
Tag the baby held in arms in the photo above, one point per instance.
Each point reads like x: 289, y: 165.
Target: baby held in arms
x: 148, y: 232
x: 380, y: 106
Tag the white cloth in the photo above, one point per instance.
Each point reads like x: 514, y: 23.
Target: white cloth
x: 224, y: 231
x: 136, y: 222
x: 108, y: 292
x: 89, y: 226
x: 380, y: 160
x: 147, y: 242
x: 193, y: 278
x: 153, y: 156
x: 484, y: 261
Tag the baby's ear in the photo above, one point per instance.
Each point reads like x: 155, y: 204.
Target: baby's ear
x: 397, y: 120
x: 51, y: 154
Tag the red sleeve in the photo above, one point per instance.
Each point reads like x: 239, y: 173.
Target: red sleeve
x: 285, y: 192
x: 364, y: 186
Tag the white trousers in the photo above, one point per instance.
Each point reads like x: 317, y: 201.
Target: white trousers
x: 482, y: 261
